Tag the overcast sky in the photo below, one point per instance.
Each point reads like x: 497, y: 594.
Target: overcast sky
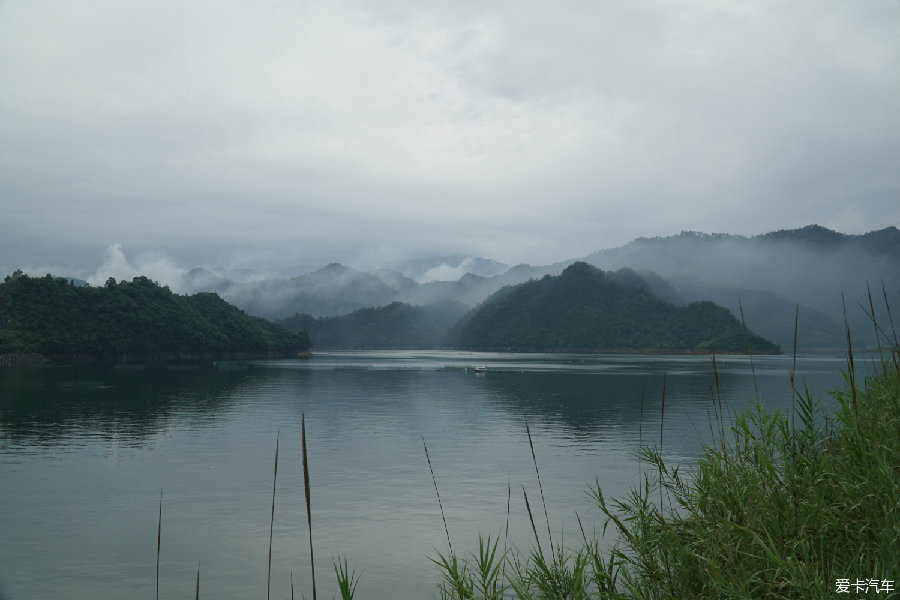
x: 268, y: 133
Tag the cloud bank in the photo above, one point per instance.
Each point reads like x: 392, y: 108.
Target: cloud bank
x: 262, y: 133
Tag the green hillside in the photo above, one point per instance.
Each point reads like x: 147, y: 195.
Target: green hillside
x: 585, y: 309
x: 52, y: 317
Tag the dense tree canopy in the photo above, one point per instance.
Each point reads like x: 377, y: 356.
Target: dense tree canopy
x: 53, y: 317
x: 586, y: 309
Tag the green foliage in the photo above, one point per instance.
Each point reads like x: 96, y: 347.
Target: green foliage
x: 347, y: 580
x: 480, y: 577
x: 54, y: 318
x: 587, y: 309
x: 565, y: 576
x: 777, y: 512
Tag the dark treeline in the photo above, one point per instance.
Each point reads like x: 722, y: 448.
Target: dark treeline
x: 587, y: 309
x: 57, y: 319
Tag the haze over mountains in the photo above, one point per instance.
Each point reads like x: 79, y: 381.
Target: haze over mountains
x: 768, y: 274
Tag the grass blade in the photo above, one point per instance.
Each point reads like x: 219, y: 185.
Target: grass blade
x: 158, y: 540
x: 531, y: 518
x: 662, y: 420
x: 272, y: 521
x: 433, y: 479
x: 312, y: 562
x: 850, y: 356
x: 506, y: 534
x: 540, y: 487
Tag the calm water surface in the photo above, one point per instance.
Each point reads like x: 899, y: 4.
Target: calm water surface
x: 84, y: 453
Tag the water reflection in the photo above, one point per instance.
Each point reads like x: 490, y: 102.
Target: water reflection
x: 582, y: 395
x: 46, y: 406
x: 83, y: 514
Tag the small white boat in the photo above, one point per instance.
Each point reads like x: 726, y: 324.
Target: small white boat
x: 481, y: 369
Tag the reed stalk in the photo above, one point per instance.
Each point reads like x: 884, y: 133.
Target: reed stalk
x: 581, y: 527
x: 158, y: 542
x: 749, y: 350
x: 641, y: 437
x: 794, y: 422
x: 887, y: 307
x: 873, y: 319
x: 312, y: 562
x: 531, y: 518
x: 438, y: 494
x: 720, y: 417
x: 793, y: 382
x: 272, y: 520
x: 506, y: 532
x: 662, y: 420
x: 540, y: 487
x: 850, y: 368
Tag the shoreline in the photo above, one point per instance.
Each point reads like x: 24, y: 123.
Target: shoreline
x: 15, y: 359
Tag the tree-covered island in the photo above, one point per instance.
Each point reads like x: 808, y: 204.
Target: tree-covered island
x: 52, y: 318
x: 589, y: 310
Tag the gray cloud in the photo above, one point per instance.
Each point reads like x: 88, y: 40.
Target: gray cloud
x: 283, y: 133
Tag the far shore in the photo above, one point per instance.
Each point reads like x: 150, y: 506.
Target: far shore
x: 39, y: 360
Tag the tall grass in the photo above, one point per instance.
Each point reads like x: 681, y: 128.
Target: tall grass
x: 792, y: 515
x: 794, y: 511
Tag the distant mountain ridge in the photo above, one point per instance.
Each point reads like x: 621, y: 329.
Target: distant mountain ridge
x: 881, y: 241
x: 765, y: 279
x: 813, y: 266
x: 449, y: 268
x: 769, y: 274
x: 582, y: 309
x: 395, y: 326
x: 886, y: 240
x: 336, y: 290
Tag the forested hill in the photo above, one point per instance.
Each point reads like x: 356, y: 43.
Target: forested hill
x: 54, y: 318
x: 585, y: 309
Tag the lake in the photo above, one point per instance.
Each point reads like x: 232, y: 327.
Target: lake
x: 85, y: 452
